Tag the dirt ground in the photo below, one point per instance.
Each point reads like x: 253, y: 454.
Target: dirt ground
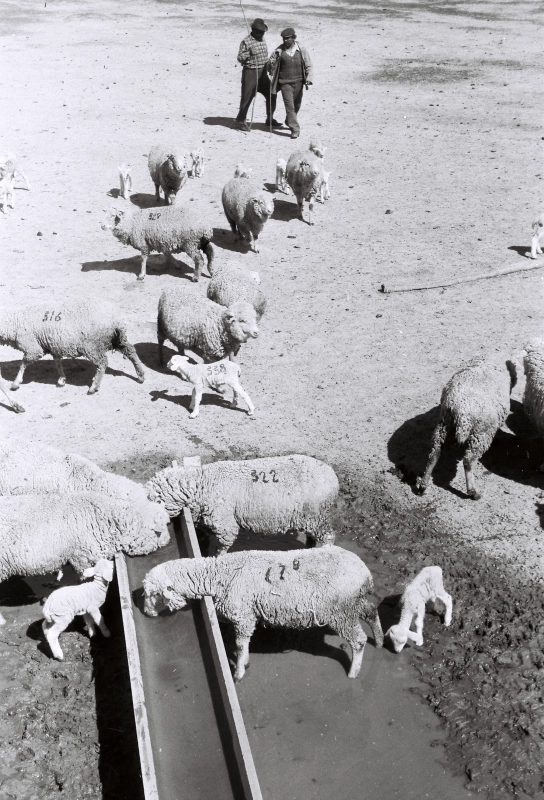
x: 430, y: 114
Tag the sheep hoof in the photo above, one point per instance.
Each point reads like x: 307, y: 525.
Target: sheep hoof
x: 14, y: 386
x: 92, y: 390
x: 61, y: 382
x: 194, y: 278
x: 18, y: 410
x: 193, y: 415
x: 474, y: 495
x: 140, y: 277
x: 251, y: 416
x: 420, y: 486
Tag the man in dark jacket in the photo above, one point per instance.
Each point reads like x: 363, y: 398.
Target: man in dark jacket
x: 253, y: 56
x: 291, y: 69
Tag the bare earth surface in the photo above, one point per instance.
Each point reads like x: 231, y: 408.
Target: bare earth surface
x: 431, y: 115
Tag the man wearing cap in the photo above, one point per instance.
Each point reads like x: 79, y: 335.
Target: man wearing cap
x: 253, y: 56
x: 291, y: 69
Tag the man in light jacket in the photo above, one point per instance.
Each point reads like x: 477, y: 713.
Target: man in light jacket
x: 291, y: 69
x: 253, y: 56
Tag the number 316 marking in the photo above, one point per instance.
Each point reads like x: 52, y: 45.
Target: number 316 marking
x: 52, y: 315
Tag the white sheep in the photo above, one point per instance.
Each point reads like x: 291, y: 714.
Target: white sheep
x: 218, y: 377
x: 297, y: 589
x: 281, y: 494
x: 538, y: 233
x: 305, y: 176
x: 85, y: 600
x: 4, y: 388
x: 40, y: 533
x: 426, y: 587
x: 242, y: 172
x: 211, y: 330
x: 67, y: 329
x: 168, y: 172
x: 37, y: 468
x: 474, y: 404
x: 197, y: 157
x: 163, y: 230
x: 125, y: 180
x: 230, y: 283
x: 317, y: 147
x: 281, y: 182
x: 9, y: 163
x: 533, y: 396
x: 247, y: 207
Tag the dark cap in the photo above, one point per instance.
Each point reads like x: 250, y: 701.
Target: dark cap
x: 259, y: 24
x: 287, y: 32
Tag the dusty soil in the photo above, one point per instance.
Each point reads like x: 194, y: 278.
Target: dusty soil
x: 434, y: 141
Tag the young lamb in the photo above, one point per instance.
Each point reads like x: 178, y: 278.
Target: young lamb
x: 67, y: 330
x: 125, y: 180
x: 9, y: 163
x: 324, y: 189
x: 4, y: 388
x: 275, y: 495
x: 426, y: 586
x: 305, y: 176
x: 163, y: 230
x: 474, y: 404
x: 6, y: 188
x: 168, y: 172
x: 281, y: 182
x: 538, y: 233
x: 197, y: 157
x: 230, y: 284
x: 242, y: 172
x: 85, y: 600
x: 218, y: 377
x: 40, y: 469
x: 299, y: 589
x: 317, y: 148
x: 247, y: 207
x: 40, y: 533
x: 197, y: 323
x: 533, y: 396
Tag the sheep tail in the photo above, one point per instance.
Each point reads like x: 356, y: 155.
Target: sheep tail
x: 121, y: 343
x: 207, y: 248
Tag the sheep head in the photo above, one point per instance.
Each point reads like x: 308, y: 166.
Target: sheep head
x: 398, y: 636
x: 179, y: 364
x: 242, y: 172
x: 174, y: 488
x: 143, y: 530
x: 159, y: 592
x: 240, y: 320
x: 115, y: 217
x: 103, y: 568
x: 262, y: 207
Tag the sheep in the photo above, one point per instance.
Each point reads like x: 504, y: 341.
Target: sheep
x: 125, y: 180
x: 426, y: 586
x: 281, y: 183
x: 317, y: 148
x: 199, y: 324
x: 40, y: 469
x: 85, y: 600
x: 4, y: 388
x: 474, y: 404
x: 217, y: 377
x: 273, y: 495
x: 163, y: 230
x: 168, y: 172
x: 242, y: 172
x: 305, y: 176
x: 538, y: 233
x: 197, y: 157
x: 230, y: 283
x: 9, y: 163
x: 533, y: 396
x: 40, y: 533
x: 299, y: 589
x: 67, y: 330
x: 6, y: 188
x: 247, y: 208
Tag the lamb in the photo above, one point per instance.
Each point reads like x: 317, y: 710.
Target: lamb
x: 247, y: 208
x: 41, y: 469
x: 125, y: 180
x: 4, y: 388
x: 426, y: 586
x: 281, y: 494
x: 281, y: 182
x: 324, y: 189
x: 538, y: 233
x: 242, y: 172
x: 40, y: 533
x: 6, y: 188
x: 305, y: 176
x: 230, y: 284
x: 533, y: 396
x: 299, y: 589
x: 163, y: 230
x: 474, y: 404
x: 9, y: 163
x: 67, y: 329
x: 197, y: 157
x: 317, y: 148
x: 209, y: 329
x: 217, y: 377
x: 168, y: 172
x: 64, y: 604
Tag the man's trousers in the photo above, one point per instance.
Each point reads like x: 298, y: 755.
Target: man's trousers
x: 253, y: 81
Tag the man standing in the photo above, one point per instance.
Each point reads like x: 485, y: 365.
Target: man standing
x: 253, y: 56
x: 291, y: 69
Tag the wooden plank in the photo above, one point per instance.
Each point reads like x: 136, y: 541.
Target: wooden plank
x: 149, y: 779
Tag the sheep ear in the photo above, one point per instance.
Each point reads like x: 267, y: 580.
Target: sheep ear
x: 411, y: 636
x: 107, y: 571
x: 88, y: 573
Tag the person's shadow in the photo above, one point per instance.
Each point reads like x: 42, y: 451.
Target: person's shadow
x: 223, y: 122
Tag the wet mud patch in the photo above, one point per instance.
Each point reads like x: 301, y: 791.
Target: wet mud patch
x: 485, y: 672
x: 404, y: 70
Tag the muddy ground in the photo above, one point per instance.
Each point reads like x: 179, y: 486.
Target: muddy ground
x: 431, y: 118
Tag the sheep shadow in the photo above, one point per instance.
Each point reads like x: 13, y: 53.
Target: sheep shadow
x: 156, y: 265
x: 115, y: 193
x: 79, y: 372
x: 521, y: 249
x: 223, y: 122
x: 285, y: 210
x: 208, y: 399
x: 516, y: 454
x: 146, y: 200
x: 227, y: 240
x: 149, y: 356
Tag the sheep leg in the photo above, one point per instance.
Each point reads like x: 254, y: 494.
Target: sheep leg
x: 89, y: 624
x: 143, y: 267
x: 199, y: 263
x: 535, y: 246
x: 356, y: 638
x: 420, y: 613
x: 243, y: 636
x: 98, y: 619
x: 468, y: 462
x: 239, y: 390
x: 24, y: 364
x: 300, y: 201
x: 97, y: 380
x: 62, y: 377
x: 310, y: 210
x: 195, y: 403
x: 226, y: 532
x: 129, y: 351
x: 157, y: 192
x: 448, y: 602
x: 52, y: 630
x: 4, y: 387
x: 252, y: 241
x: 369, y: 613
x: 231, y: 222
x: 439, y: 437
